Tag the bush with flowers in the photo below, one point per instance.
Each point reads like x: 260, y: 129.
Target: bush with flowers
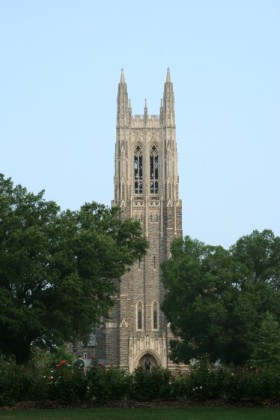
x: 58, y: 379
x: 66, y: 382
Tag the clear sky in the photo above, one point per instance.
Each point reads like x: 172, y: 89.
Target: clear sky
x: 60, y: 63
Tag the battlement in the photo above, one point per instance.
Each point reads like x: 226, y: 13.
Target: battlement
x: 141, y: 121
x: 149, y: 117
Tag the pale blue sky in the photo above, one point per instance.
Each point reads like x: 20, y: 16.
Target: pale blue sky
x: 60, y: 63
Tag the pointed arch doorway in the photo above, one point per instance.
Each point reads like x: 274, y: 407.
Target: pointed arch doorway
x: 148, y: 361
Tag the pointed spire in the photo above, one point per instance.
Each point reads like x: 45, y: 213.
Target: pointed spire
x: 145, y: 109
x: 122, y: 76
x: 124, y: 107
x: 168, y: 78
x: 168, y: 113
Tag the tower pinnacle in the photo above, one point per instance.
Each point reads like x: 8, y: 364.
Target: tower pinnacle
x: 168, y: 78
x: 122, y: 80
x: 168, y: 113
x: 124, y: 108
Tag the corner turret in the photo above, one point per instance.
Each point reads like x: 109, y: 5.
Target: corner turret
x: 123, y: 103
x: 167, y: 108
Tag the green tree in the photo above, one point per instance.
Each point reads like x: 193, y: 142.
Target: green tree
x: 58, y: 270
x: 215, y: 300
x: 266, y: 348
x: 260, y: 254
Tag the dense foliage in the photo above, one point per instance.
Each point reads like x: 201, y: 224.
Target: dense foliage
x: 224, y: 304
x: 62, y: 382
x: 58, y: 270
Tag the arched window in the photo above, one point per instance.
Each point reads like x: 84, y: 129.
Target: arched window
x: 138, y: 171
x: 155, y: 315
x: 139, y: 316
x: 154, y: 170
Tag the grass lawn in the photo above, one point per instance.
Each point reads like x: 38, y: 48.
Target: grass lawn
x: 146, y: 414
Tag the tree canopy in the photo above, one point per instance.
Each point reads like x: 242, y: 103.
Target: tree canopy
x: 58, y: 270
x: 216, y: 299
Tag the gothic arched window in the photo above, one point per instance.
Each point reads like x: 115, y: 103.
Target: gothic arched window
x: 139, y: 315
x: 138, y: 171
x: 154, y: 170
x: 155, y: 315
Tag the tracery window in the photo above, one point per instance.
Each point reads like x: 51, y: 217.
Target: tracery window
x: 155, y: 315
x: 139, y: 315
x: 154, y: 170
x: 138, y: 171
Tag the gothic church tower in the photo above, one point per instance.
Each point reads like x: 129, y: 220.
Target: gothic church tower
x: 146, y: 187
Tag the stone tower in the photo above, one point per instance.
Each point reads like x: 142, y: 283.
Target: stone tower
x: 146, y: 187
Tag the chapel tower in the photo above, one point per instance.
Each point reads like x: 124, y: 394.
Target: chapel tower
x: 146, y: 187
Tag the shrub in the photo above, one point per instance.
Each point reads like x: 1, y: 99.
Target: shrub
x: 19, y: 383
x: 260, y: 385
x: 118, y: 384
x: 8, y: 382
x: 67, y: 383
x: 107, y: 384
x: 150, y: 385
x: 180, y: 388
x: 206, y: 381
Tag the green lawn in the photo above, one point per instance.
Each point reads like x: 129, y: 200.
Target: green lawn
x: 146, y: 414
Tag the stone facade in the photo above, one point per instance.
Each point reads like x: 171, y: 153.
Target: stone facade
x: 146, y: 187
